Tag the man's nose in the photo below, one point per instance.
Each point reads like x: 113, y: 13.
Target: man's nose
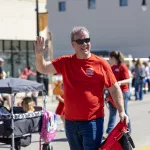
x: 84, y: 43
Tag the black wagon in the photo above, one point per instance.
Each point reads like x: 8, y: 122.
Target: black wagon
x: 16, y: 127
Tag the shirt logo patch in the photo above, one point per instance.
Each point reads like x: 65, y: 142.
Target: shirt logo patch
x: 117, y: 70
x: 90, y: 71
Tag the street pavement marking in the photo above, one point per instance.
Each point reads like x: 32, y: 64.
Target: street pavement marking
x: 145, y: 148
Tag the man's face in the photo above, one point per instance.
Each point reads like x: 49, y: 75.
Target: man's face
x: 82, y: 44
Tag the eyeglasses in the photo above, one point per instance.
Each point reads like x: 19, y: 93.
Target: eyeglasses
x: 82, y: 41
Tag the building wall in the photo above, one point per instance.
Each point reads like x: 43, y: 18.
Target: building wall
x: 18, y: 19
x: 18, y: 24
x: 110, y: 26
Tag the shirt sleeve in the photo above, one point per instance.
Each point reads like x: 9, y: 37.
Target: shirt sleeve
x: 58, y: 63
x: 125, y: 72
x: 109, y: 78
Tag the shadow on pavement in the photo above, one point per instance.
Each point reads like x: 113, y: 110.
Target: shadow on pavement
x: 60, y: 140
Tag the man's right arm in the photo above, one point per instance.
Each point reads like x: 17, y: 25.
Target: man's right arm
x: 42, y: 66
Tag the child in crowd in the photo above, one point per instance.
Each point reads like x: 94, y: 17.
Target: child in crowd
x: 3, y: 110
x: 60, y: 110
x: 28, y: 104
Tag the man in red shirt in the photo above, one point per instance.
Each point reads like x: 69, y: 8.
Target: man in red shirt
x: 84, y: 77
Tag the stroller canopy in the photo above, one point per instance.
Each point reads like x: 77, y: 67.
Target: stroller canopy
x: 17, y: 85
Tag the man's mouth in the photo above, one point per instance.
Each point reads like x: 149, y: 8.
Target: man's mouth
x: 84, y: 49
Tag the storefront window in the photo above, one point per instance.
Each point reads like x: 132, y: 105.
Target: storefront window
x: 30, y: 45
x: 7, y: 45
x: 1, y: 45
x: 23, y: 45
x: 15, y: 45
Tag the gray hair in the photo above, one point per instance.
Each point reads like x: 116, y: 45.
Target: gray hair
x: 77, y: 30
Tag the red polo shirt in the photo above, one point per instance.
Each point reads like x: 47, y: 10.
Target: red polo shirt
x: 84, y: 81
x: 121, y: 73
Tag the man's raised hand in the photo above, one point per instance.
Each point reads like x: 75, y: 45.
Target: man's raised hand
x: 39, y: 46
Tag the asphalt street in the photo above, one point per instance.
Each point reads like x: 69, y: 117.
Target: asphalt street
x: 139, y: 112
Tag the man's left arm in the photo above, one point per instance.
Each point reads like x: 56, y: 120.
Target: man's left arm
x: 117, y: 96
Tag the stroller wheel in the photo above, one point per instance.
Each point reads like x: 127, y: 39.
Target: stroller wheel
x: 17, y: 144
x: 51, y: 146
x: 17, y: 147
x: 47, y: 146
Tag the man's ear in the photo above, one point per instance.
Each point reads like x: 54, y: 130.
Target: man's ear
x: 72, y: 44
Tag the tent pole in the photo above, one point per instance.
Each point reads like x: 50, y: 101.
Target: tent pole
x: 44, y: 101
x: 12, y: 121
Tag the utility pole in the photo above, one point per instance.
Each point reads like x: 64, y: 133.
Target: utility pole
x: 41, y: 78
x: 39, y: 75
x: 37, y: 17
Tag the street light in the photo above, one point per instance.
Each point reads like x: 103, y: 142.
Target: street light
x: 144, y: 5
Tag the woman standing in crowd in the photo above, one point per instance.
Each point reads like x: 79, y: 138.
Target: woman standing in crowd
x: 140, y: 74
x: 121, y: 73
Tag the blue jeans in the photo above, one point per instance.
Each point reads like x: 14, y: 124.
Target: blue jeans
x: 139, y: 84
x: 84, y: 135
x: 113, y: 112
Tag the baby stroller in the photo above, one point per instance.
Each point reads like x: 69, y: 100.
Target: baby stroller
x: 16, y: 126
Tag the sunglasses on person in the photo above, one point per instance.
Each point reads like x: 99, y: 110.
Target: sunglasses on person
x: 82, y: 41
